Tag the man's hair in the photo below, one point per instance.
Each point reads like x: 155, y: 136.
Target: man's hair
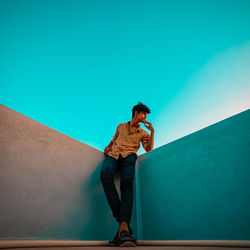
x: 139, y: 108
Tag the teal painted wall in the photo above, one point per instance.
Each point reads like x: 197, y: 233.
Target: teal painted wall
x: 198, y: 187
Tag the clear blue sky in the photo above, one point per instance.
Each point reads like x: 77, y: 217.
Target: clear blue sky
x: 80, y: 66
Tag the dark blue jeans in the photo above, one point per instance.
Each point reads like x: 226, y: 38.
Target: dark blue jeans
x: 121, y: 209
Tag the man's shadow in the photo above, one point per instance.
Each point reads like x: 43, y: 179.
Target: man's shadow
x: 101, y: 225
x: 89, y: 216
x: 101, y: 221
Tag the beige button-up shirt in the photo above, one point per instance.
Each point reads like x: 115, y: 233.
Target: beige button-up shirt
x: 127, y: 140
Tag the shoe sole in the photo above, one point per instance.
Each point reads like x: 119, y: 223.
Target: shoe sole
x: 127, y: 244
x: 113, y: 244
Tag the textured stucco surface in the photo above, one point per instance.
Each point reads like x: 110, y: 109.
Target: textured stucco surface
x: 198, y: 187
x: 49, y: 184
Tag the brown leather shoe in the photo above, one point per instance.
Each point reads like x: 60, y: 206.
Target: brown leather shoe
x: 115, y: 241
x: 126, y: 239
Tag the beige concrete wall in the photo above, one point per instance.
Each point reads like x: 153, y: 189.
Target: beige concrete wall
x: 49, y: 183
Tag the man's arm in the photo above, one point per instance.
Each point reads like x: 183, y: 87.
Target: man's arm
x: 151, y: 142
x: 148, y: 141
x: 112, y: 141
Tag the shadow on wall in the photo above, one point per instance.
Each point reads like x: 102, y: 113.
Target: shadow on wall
x: 89, y: 213
x: 100, y: 213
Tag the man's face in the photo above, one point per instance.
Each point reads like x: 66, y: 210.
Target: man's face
x: 142, y: 116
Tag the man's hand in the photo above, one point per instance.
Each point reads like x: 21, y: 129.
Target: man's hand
x: 106, y: 150
x: 149, y: 126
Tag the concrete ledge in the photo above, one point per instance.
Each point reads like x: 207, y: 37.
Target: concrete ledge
x: 67, y: 243
x: 218, y: 243
x: 49, y: 243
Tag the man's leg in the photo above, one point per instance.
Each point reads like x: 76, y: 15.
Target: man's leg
x: 126, y: 186
x: 107, y: 178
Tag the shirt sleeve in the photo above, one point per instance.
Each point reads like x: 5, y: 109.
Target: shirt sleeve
x: 145, y: 140
x: 116, y: 134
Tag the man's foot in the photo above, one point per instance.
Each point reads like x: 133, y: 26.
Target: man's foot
x: 126, y: 239
x: 115, y: 241
x: 123, y: 226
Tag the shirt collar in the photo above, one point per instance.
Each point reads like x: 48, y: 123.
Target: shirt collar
x: 138, y: 128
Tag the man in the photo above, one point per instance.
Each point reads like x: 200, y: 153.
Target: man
x: 121, y: 151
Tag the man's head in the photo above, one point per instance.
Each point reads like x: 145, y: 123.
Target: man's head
x: 140, y: 108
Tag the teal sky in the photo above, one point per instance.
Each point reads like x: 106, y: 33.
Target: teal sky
x: 80, y: 66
